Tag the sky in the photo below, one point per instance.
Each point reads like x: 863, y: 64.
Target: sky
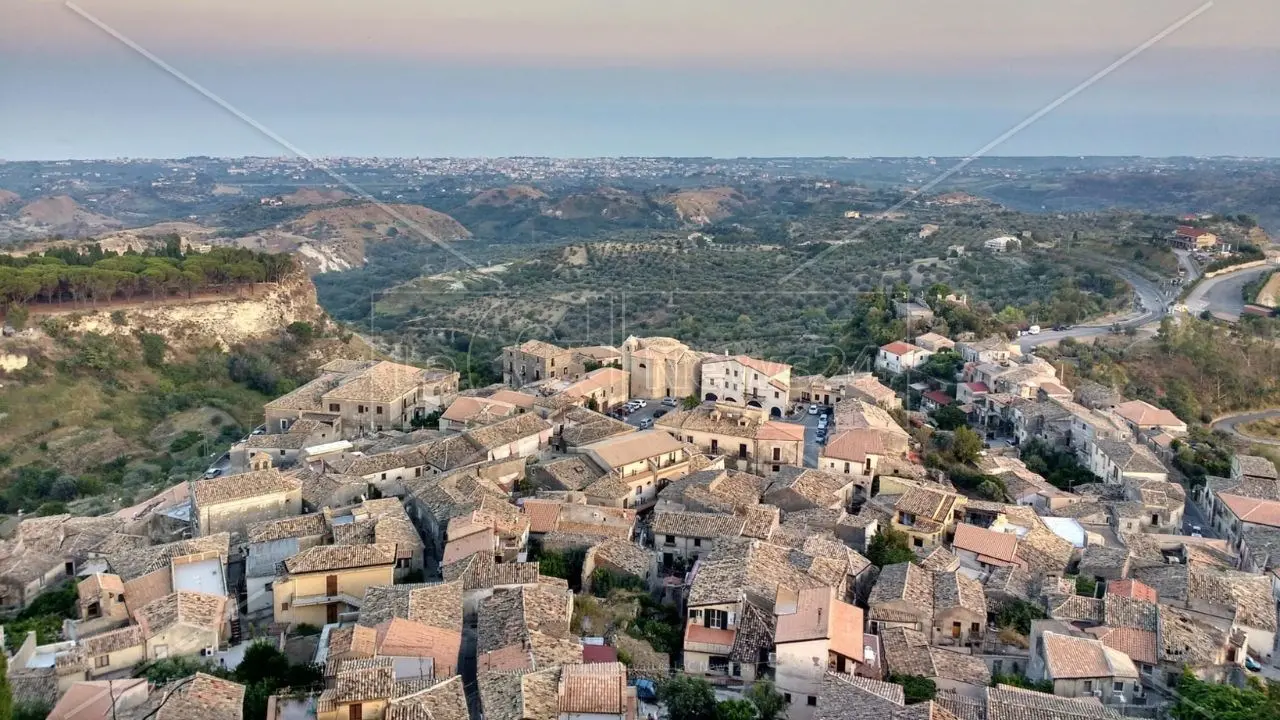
x: 637, y: 77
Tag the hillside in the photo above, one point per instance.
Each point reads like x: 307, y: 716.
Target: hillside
x: 605, y: 203
x: 314, y: 196
x: 510, y: 195
x: 99, y: 408
x: 55, y: 215
x: 8, y: 197
x: 327, y: 239
x: 706, y: 206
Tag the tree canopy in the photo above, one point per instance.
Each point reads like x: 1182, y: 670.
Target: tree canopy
x: 889, y: 547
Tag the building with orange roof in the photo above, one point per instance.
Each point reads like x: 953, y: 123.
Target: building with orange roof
x: 813, y: 624
x: 898, y: 357
x: 744, y: 436
x: 1143, y: 416
x: 985, y: 549
x: 1133, y: 589
x: 744, y: 380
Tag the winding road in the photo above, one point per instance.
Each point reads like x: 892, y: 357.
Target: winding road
x: 1223, y: 296
x: 1151, y: 303
x: 1230, y: 425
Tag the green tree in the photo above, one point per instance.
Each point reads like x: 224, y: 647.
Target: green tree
x: 688, y: 698
x: 768, y: 701
x: 1199, y: 700
x: 302, y: 332
x: 6, y: 693
x: 949, y: 417
x: 965, y: 445
x: 889, y: 547
x: 690, y: 402
x: 1018, y: 614
x: 735, y: 710
x: 17, y: 316
x: 915, y: 689
x: 154, y: 348
x: 1086, y: 586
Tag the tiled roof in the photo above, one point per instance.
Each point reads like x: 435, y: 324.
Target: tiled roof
x: 540, y: 349
x: 905, y: 582
x: 594, y: 688
x: 751, y: 567
x: 1075, y: 607
x: 531, y: 696
x: 113, y: 641
x: 1043, y: 551
x: 1131, y: 457
x: 435, y: 604
x: 623, y: 555
x: 505, y: 432
x: 1185, y: 639
x: 926, y: 503
x: 508, y: 616
x: 984, y: 542
x: 1139, y: 645
x: 230, y: 488
x: 1132, y: 589
x: 289, y: 527
x: 761, y: 521
x: 1068, y: 658
x: 1120, y: 611
x: 625, y: 449
x: 1011, y: 581
x: 1010, y: 703
x: 359, y: 681
x: 907, y: 652
x: 202, y: 610
x: 468, y: 409
x: 382, y: 382
x: 142, y: 561
x: 848, y: 697
x: 1104, y: 561
x: 1143, y: 414
x: 350, y: 643
x: 399, y: 637
x: 1253, y: 510
x: 443, y: 701
x: 202, y: 698
x: 1256, y: 466
x: 572, y: 473
x: 957, y: 590
x: 699, y: 525
x: 325, y: 558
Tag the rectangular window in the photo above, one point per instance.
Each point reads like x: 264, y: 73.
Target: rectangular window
x: 671, y: 540
x: 917, y: 542
x: 775, y: 468
x: 846, y: 468
x: 777, y: 454
x: 715, y: 445
x: 379, y: 411
x: 102, y: 661
x: 742, y: 450
x: 1088, y: 686
x: 1118, y: 687
x: 787, y: 697
x: 697, y: 542
x: 334, y: 407
x: 813, y: 701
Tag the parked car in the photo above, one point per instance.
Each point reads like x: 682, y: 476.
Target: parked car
x: 658, y: 413
x: 640, y: 403
x: 1060, y: 328
x: 212, y: 473
x: 813, y: 409
x: 822, y: 421
x: 1033, y: 330
x: 1251, y: 664
x: 821, y: 436
x: 646, y: 423
x: 669, y: 402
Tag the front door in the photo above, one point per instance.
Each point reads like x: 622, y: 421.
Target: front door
x: 331, y: 585
x: 331, y: 613
x: 355, y: 712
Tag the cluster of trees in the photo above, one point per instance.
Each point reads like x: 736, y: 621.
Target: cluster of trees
x: 1200, y: 700
x: 91, y: 274
x: 689, y: 698
x: 1059, y: 467
x: 889, y: 547
x: 264, y: 671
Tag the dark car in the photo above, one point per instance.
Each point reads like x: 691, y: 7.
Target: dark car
x: 659, y: 413
x: 1060, y: 328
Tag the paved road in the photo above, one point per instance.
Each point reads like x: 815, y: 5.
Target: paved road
x: 1224, y: 295
x: 1151, y: 299
x: 1230, y: 425
x: 1191, y: 515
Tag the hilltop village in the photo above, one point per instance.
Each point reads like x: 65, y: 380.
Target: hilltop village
x: 610, y: 519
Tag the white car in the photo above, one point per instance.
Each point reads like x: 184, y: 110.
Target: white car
x: 212, y: 473
x: 813, y: 409
x: 640, y: 403
x: 822, y: 421
x: 669, y: 402
x: 646, y: 423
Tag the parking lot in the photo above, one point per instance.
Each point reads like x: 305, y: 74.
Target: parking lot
x: 812, y: 448
x: 651, y: 411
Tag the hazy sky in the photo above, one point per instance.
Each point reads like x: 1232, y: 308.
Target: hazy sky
x: 611, y: 77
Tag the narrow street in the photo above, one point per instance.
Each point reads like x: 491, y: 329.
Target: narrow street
x: 468, y: 662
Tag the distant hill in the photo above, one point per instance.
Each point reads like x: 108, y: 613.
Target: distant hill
x: 707, y: 205
x: 54, y: 215
x: 602, y: 203
x: 314, y: 196
x: 510, y: 195
x: 8, y: 197
x: 327, y: 239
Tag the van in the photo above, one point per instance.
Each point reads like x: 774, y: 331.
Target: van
x: 1033, y: 330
